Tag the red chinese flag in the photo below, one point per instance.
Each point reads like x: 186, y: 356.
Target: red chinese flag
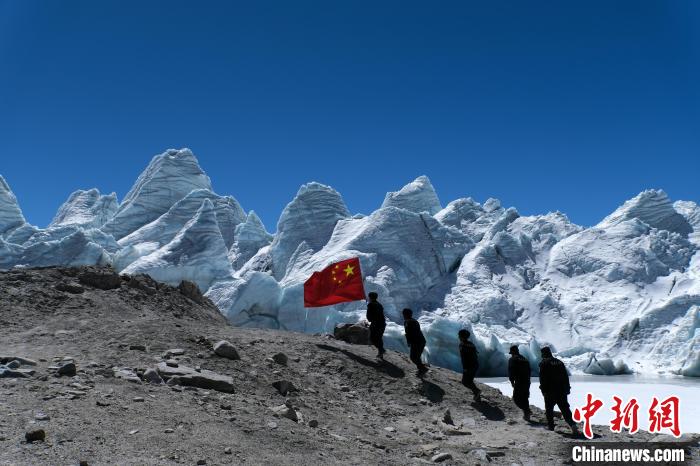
x: 338, y: 283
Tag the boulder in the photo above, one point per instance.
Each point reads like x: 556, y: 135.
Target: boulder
x: 191, y: 290
x: 68, y: 287
x: 21, y: 360
x: 151, y: 375
x: 104, y: 279
x: 127, y: 374
x: 285, y: 411
x: 141, y: 282
x: 187, y: 376
x: 67, y: 369
x: 226, y: 350
x: 281, y: 359
x: 35, y: 435
x: 356, y: 334
x: 440, y: 457
x: 284, y: 387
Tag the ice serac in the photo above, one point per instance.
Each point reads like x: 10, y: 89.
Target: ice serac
x: 88, y: 209
x: 311, y: 217
x: 417, y: 196
x: 250, y: 237
x: 197, y: 253
x: 652, y: 207
x: 404, y: 256
x: 168, y: 178
x: 162, y: 230
x: 10, y: 214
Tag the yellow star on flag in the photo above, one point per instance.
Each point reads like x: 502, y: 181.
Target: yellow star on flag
x: 349, y: 270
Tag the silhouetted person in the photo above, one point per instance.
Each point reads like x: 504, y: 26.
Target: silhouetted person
x: 377, y: 323
x: 519, y: 375
x: 554, y: 383
x: 470, y: 362
x: 415, y: 340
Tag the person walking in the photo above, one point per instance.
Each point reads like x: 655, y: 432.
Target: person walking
x: 377, y: 323
x: 555, y: 387
x: 415, y: 340
x: 470, y: 362
x: 519, y: 375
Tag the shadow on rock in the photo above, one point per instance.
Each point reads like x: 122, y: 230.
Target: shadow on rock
x: 491, y: 412
x: 431, y: 391
x: 384, y: 366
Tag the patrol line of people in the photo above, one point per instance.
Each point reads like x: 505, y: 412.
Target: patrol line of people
x: 554, y: 379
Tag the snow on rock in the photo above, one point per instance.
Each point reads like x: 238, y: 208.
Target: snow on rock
x: 652, y: 207
x: 88, y: 209
x: 250, y: 237
x: 197, y: 253
x: 311, y: 217
x: 417, y: 196
x: 10, y: 214
x: 168, y: 178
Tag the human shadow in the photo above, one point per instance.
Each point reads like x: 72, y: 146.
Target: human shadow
x: 489, y: 411
x: 431, y: 391
x: 385, y: 366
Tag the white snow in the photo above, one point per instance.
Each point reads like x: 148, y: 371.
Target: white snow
x: 10, y: 214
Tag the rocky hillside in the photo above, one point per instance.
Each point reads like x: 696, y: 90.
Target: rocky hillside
x: 103, y: 369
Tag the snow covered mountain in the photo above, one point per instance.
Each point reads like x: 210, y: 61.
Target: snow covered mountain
x: 621, y: 296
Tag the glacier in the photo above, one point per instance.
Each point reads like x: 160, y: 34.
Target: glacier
x: 618, y: 297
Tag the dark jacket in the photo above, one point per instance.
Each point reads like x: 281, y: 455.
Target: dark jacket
x: 519, y: 369
x: 469, y: 355
x: 414, y: 336
x: 554, y: 380
x: 375, y: 313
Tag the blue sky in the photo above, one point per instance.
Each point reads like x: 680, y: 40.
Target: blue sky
x: 547, y: 105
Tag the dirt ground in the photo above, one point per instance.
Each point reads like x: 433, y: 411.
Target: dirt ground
x: 346, y: 408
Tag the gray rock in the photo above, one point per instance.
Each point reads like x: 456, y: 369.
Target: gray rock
x: 67, y: 369
x: 447, y: 417
x: 313, y: 423
x: 226, y: 350
x: 42, y: 416
x: 201, y: 462
x: 127, y: 374
x: 142, y: 282
x: 151, y: 375
x: 284, y: 387
x: 191, y: 290
x: 187, y: 376
x: 7, y: 373
x: 23, y: 361
x: 35, y: 435
x: 280, y: 358
x: 13, y: 364
x: 72, y: 288
x: 228, y: 451
x: 174, y: 352
x: 479, y: 454
x: 356, y: 334
x: 103, y: 279
x: 137, y: 347
x: 285, y: 411
x: 440, y: 457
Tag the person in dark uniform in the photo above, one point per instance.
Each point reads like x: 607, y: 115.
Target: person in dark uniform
x: 415, y: 340
x: 377, y: 323
x: 470, y: 362
x: 519, y: 375
x: 554, y: 383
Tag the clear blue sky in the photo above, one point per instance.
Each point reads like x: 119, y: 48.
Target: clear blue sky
x: 547, y: 105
